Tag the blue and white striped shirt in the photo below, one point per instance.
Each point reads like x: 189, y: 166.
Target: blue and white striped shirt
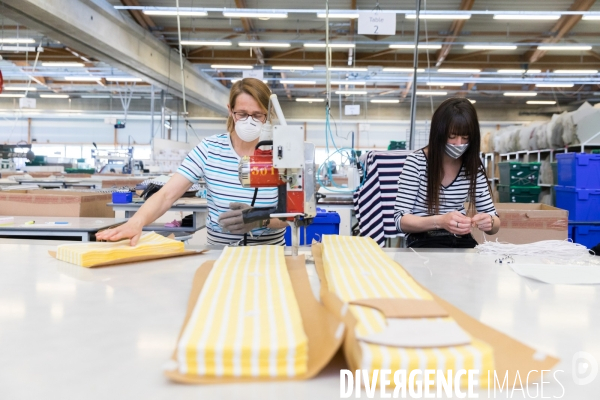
x: 215, y: 160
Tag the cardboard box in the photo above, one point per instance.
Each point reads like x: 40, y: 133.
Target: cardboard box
x: 55, y: 203
x: 527, y: 223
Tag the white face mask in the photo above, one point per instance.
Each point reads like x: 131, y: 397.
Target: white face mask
x: 456, y: 150
x: 248, y: 130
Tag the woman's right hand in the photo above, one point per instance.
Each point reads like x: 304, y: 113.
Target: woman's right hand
x: 130, y: 230
x: 457, y: 223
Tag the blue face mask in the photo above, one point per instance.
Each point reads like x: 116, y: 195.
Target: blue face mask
x: 456, y: 150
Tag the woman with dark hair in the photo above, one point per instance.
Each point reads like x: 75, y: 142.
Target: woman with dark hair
x: 438, y: 180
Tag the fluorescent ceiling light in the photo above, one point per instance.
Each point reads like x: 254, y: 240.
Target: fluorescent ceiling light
x: 551, y: 85
x: 348, y: 82
x: 338, y: 15
x: 563, y: 47
x: 205, y: 43
x: 17, y: 40
x: 122, y: 79
x: 410, y: 70
x: 412, y: 46
x: 489, y: 47
x: 519, y: 71
x: 290, y: 68
x: 385, y: 101
x: 92, y: 96
x: 459, y: 70
x: 445, y: 83
x: 17, y: 49
x: 591, y: 17
x: 528, y: 17
x: 225, y: 66
x: 169, y: 13
x: 348, y: 69
x: 54, y: 96
x: 13, y: 95
x: 349, y: 92
x: 472, y: 101
x: 297, y: 82
x: 438, y: 16
x: 18, y: 88
x: 309, y: 100
x: 520, y: 94
x: 62, y: 64
x: 82, y: 78
x: 332, y: 45
x: 547, y: 102
x: 576, y: 71
x: 263, y: 44
x: 431, y: 93
x: 242, y: 14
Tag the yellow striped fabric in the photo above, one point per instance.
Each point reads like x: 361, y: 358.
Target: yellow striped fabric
x: 88, y: 254
x: 246, y: 321
x: 356, y: 268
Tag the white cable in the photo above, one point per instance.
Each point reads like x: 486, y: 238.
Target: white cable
x: 181, y: 60
x: 562, y: 249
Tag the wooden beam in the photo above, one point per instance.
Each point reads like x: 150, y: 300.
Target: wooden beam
x: 561, y: 28
x: 142, y: 19
x: 249, y: 29
x: 455, y: 30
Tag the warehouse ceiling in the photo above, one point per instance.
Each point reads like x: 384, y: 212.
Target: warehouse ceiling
x: 458, y: 55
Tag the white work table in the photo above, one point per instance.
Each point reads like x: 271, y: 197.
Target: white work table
x: 68, y: 332
x: 58, y: 227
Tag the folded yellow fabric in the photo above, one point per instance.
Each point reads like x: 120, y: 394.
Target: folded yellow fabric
x: 87, y: 254
x: 246, y: 321
x: 357, y: 268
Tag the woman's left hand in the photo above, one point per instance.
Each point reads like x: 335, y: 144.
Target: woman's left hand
x: 483, y: 222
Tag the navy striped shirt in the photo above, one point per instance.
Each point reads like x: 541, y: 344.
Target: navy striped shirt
x: 412, y: 191
x: 215, y: 160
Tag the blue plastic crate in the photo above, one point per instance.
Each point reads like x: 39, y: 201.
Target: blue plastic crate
x: 580, y: 170
x: 122, y: 197
x: 582, y: 204
x: 325, y: 223
x: 589, y: 236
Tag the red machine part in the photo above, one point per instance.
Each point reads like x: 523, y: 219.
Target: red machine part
x: 1, y: 82
x: 258, y: 171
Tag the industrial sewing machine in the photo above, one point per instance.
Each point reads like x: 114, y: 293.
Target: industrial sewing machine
x: 9, y: 152
x: 282, y: 159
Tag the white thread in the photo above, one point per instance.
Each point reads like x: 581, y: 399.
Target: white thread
x: 560, y: 249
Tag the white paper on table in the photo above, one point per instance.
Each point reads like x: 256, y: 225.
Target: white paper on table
x: 565, y: 274
x: 422, y: 332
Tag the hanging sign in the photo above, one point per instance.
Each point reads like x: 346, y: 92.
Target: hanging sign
x: 376, y: 23
x: 254, y: 73
x: 352, y: 109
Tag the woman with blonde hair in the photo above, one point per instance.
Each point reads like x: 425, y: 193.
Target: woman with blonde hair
x: 215, y: 159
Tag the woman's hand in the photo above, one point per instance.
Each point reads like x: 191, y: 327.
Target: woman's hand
x: 455, y: 222
x: 483, y: 222
x: 130, y: 230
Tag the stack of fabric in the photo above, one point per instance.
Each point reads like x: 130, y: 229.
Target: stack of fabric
x: 89, y: 254
x: 357, y: 269
x: 246, y: 321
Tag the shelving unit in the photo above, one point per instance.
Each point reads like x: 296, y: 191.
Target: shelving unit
x: 490, y: 160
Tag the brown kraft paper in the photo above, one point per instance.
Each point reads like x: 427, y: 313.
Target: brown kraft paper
x: 510, y: 355
x: 320, y: 326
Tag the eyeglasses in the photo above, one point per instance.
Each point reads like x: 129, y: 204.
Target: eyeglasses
x: 242, y: 116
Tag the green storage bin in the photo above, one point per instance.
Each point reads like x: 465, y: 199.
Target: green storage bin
x: 519, y: 174
x: 597, y: 151
x: 519, y: 194
x: 397, y: 145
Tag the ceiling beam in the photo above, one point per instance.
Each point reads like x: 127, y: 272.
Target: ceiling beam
x: 455, y: 30
x: 250, y: 32
x: 561, y: 28
x: 98, y: 30
x: 144, y: 20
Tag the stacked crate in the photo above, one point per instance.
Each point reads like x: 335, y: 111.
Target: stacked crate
x: 519, y: 182
x: 578, y: 191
